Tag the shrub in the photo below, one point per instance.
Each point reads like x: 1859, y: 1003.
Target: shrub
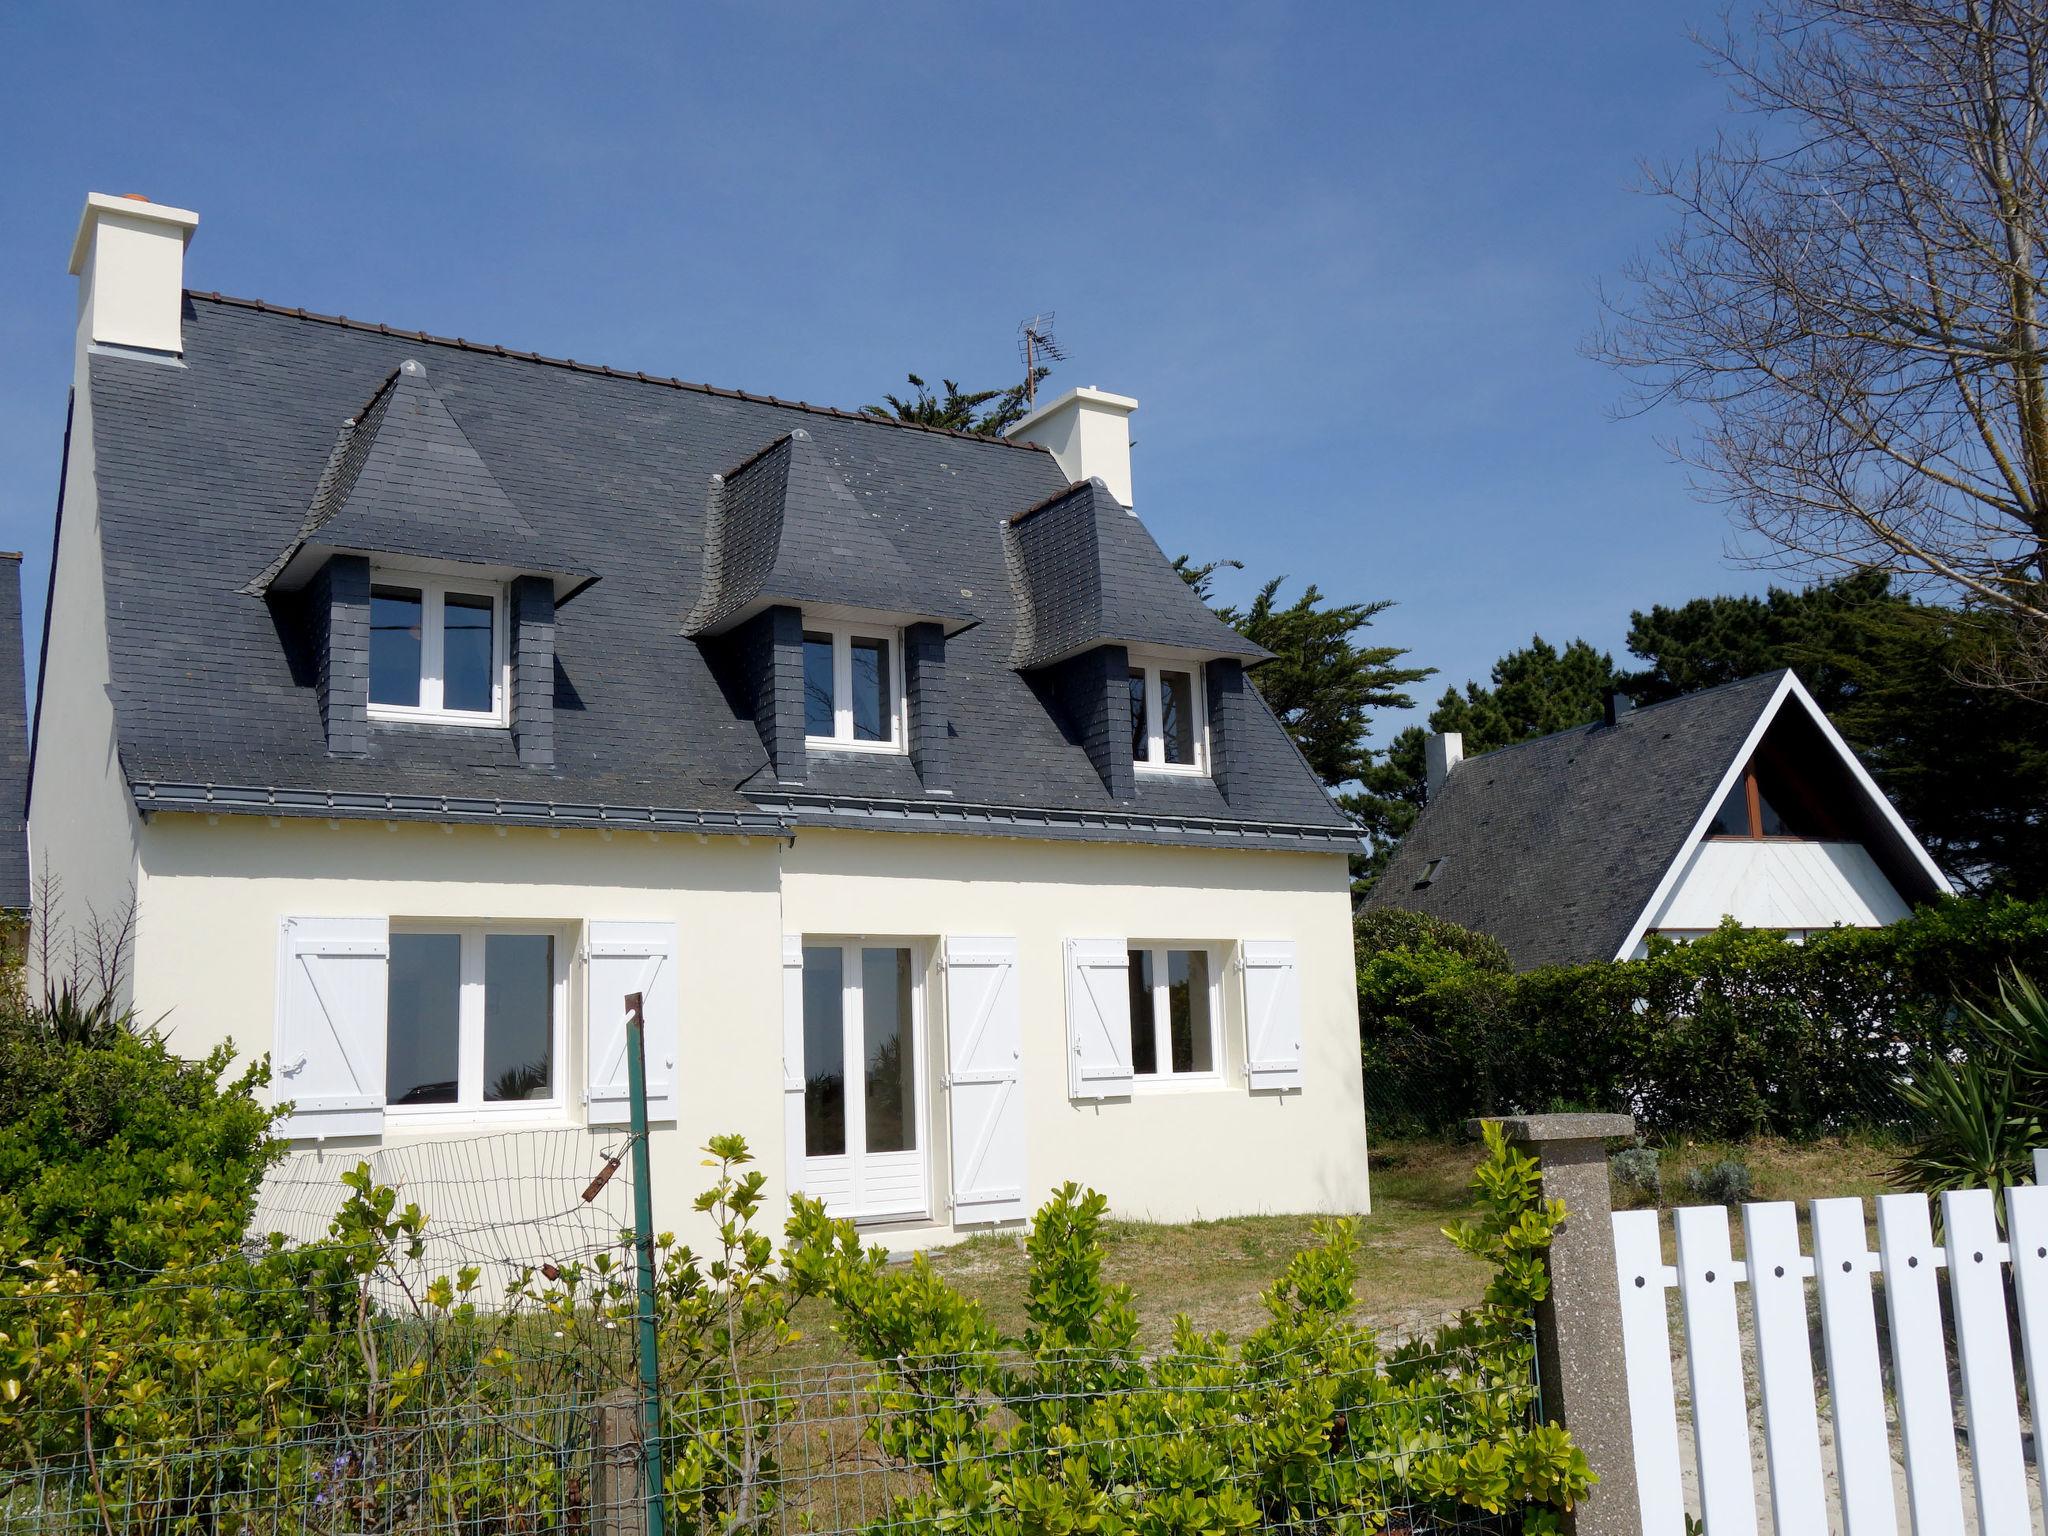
x: 1305, y: 1425
x: 1726, y: 1182
x: 100, y: 1121
x: 1978, y: 1108
x: 1636, y: 1170
x: 1735, y: 1034
x: 337, y: 1383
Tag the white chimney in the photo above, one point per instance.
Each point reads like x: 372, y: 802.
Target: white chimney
x: 1088, y: 431
x: 1441, y: 752
x: 129, y: 259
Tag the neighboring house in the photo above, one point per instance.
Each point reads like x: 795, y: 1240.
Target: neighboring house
x: 1741, y: 801
x: 431, y: 697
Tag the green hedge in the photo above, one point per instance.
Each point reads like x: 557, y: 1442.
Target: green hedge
x: 1735, y: 1034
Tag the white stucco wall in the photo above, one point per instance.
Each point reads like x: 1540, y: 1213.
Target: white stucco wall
x: 213, y: 894
x: 82, y: 825
x: 1800, y: 886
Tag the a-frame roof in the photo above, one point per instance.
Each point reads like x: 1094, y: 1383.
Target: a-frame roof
x: 1563, y: 847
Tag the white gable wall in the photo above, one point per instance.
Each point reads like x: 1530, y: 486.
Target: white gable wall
x: 1799, y: 886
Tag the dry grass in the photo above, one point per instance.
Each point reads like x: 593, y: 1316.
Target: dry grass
x: 1410, y: 1276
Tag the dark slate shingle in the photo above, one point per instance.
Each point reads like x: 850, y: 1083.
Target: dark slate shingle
x: 206, y: 471
x: 1555, y: 846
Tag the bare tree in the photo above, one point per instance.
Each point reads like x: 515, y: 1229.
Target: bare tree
x: 1853, y: 296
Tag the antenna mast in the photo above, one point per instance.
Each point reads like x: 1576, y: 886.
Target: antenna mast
x: 1035, y: 339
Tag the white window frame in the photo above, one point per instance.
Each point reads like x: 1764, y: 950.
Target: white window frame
x: 1165, y: 1078
x: 434, y: 591
x: 470, y: 1104
x: 851, y: 1019
x: 1154, y: 760
x: 843, y: 635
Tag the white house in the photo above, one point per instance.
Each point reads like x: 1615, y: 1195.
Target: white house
x: 431, y: 696
x: 1741, y: 801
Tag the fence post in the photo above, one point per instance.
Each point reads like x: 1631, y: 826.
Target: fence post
x: 619, y: 1472
x: 1579, y: 1359
x: 653, y: 1463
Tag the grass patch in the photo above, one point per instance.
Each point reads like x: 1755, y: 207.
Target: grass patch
x: 1410, y: 1277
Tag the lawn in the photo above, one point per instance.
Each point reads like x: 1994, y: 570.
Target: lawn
x: 1411, y: 1277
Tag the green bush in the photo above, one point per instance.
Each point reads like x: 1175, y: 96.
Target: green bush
x: 1635, y: 1171
x: 1726, y: 1182
x: 1738, y: 1033
x: 101, y: 1120
x: 336, y: 1385
x: 1305, y: 1425
x: 1978, y: 1107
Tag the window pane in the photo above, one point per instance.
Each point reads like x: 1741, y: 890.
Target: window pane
x: 394, y: 646
x: 519, y: 1016
x: 890, y: 1050
x: 824, y: 1053
x: 1144, y: 1033
x: 1187, y: 1003
x: 466, y: 652
x: 424, y: 1019
x: 1732, y: 820
x: 1177, y: 716
x: 1140, y: 726
x: 818, y: 685
x: 871, y: 690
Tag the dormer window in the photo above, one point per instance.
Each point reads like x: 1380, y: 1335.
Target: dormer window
x: 437, y: 650
x: 1169, y: 729
x: 853, y: 687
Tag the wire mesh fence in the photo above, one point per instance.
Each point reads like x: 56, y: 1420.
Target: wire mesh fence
x: 440, y: 1338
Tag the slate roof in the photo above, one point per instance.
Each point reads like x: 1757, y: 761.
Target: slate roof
x: 1555, y: 846
x: 1087, y: 573
x: 785, y: 528
x: 403, y: 480
x: 207, y: 469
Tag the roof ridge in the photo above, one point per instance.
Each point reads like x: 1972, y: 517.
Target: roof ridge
x: 1635, y: 713
x: 465, y: 345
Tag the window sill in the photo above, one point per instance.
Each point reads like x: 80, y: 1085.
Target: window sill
x: 1172, y: 770
x: 391, y: 714
x: 865, y: 748
x: 478, y: 1117
x: 1156, y: 1086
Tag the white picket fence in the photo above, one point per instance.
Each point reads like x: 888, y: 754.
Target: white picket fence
x: 1779, y: 1279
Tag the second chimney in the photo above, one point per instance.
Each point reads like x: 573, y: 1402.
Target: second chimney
x: 1088, y: 431
x: 1441, y: 752
x: 1614, y: 704
x: 129, y: 258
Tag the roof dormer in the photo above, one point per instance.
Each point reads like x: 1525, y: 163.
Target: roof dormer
x: 430, y: 598
x: 1148, y: 680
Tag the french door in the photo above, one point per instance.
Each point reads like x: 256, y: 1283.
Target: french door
x: 864, y: 1095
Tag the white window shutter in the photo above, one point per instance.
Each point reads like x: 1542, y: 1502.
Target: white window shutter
x: 626, y: 958
x: 793, y: 1059
x: 332, y: 993
x: 984, y: 1068
x: 1098, y: 1018
x: 1272, y: 1015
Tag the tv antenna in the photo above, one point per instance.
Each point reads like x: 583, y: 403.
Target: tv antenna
x: 1035, y: 340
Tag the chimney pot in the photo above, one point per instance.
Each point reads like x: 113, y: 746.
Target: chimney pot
x: 1441, y: 752
x: 129, y: 258
x: 1088, y: 431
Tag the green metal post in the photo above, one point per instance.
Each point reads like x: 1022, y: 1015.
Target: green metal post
x: 643, y: 1244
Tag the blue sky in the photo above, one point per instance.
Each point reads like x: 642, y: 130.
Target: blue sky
x: 1344, y: 256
